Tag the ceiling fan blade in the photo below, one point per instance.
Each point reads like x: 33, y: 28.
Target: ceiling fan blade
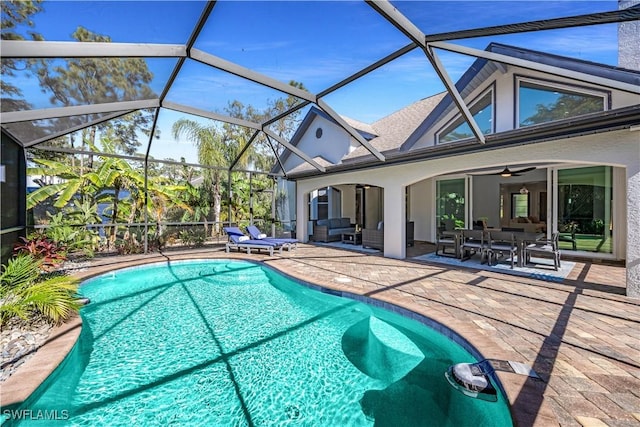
x: 505, y: 172
x: 524, y: 170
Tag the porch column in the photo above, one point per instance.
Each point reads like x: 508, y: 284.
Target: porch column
x: 395, y: 245
x: 302, y: 215
x: 633, y: 230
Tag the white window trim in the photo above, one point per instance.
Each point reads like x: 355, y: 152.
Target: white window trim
x: 556, y: 85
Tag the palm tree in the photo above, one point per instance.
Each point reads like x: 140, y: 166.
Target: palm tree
x: 212, y: 151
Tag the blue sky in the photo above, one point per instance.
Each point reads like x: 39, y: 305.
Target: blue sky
x: 318, y: 43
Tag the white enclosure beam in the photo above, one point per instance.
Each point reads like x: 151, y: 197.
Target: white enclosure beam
x: 295, y: 150
x: 536, y: 66
x: 77, y: 128
x: 76, y: 110
x: 210, y: 115
x: 455, y: 94
x: 46, y: 49
x: 249, y: 74
x: 616, y: 16
x: 346, y: 126
x: 391, y: 14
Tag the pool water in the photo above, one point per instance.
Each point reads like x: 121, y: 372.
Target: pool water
x: 233, y: 343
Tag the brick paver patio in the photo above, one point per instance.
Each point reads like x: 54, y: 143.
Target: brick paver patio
x: 581, y: 336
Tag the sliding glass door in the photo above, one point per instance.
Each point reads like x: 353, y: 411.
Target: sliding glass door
x: 585, y: 209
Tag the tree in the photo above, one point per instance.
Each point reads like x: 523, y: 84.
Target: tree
x: 85, y: 81
x: 14, y: 14
x: 567, y: 105
x: 111, y: 178
x: 212, y: 151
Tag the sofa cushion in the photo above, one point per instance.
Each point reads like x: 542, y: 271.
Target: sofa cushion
x: 381, y: 226
x: 345, y: 222
x: 334, y: 222
x: 337, y: 231
x: 323, y: 222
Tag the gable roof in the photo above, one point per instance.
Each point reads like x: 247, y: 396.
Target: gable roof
x: 385, y: 134
x: 363, y: 129
x: 395, y: 128
x: 482, y: 68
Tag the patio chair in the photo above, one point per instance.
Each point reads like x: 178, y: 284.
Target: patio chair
x: 256, y: 234
x: 501, y: 243
x: 240, y: 241
x: 473, y: 241
x: 544, y: 248
x: 444, y: 241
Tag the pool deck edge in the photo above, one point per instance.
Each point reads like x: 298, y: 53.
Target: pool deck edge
x: 18, y: 387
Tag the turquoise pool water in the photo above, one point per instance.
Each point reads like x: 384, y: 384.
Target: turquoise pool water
x: 232, y: 343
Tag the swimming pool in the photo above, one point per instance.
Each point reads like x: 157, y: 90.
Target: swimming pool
x: 226, y: 343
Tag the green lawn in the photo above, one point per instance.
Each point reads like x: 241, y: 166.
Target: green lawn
x: 588, y: 242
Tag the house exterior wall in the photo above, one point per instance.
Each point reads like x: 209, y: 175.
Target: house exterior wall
x: 505, y: 86
x: 620, y: 149
x: 629, y: 39
x: 348, y: 194
x: 423, y: 196
x: 333, y: 145
x: 373, y: 201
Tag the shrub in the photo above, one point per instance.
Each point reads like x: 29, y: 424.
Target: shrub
x: 24, y: 293
x: 41, y: 249
x: 73, y: 238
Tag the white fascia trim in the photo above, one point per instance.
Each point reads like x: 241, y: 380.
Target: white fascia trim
x: 505, y: 59
x: 209, y: 115
x: 249, y: 74
x: 76, y: 110
x: 46, y: 49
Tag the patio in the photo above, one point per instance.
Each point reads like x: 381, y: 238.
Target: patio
x: 579, y: 335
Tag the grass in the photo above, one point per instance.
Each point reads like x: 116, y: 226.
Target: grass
x: 588, y: 243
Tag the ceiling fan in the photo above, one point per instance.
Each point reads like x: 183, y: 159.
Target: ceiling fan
x: 506, y: 172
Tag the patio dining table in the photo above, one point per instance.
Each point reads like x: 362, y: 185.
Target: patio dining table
x: 522, y: 239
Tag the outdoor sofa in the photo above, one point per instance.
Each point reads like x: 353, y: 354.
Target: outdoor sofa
x: 331, y: 230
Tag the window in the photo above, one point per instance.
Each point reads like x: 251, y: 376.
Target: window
x: 323, y: 203
x: 519, y: 205
x: 450, y: 206
x: 538, y: 103
x: 482, y: 112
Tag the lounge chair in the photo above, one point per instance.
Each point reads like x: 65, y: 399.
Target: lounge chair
x: 240, y: 241
x: 256, y: 234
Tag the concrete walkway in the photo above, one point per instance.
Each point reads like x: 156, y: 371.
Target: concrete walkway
x: 581, y: 336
